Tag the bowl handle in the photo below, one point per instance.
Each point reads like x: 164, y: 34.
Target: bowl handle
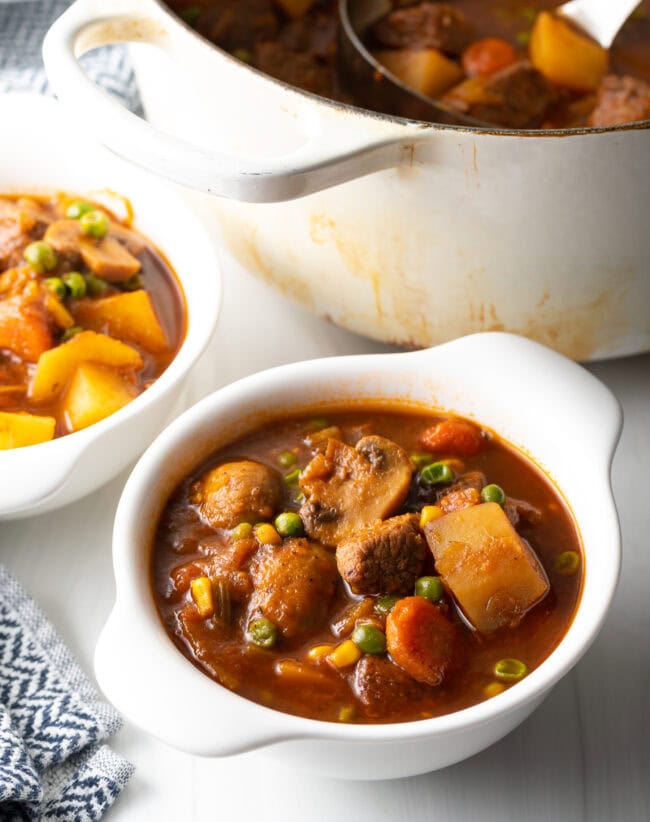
x: 331, y: 152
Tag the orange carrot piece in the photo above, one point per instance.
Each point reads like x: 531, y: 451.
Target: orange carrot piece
x: 452, y: 437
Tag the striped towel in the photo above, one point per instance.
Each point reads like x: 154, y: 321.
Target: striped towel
x: 54, y: 764
x: 22, y: 28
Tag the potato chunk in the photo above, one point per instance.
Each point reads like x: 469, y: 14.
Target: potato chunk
x: 17, y: 430
x: 425, y: 70
x: 129, y: 317
x: 564, y: 56
x: 95, y: 392
x: 492, y: 572
x: 56, y: 367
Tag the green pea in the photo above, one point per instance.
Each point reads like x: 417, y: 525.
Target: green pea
x: 95, y: 286
x: 191, y: 14
x: 287, y: 458
x: 56, y: 286
x: 493, y: 493
x: 369, y: 639
x: 132, y: 284
x: 78, y: 209
x: 243, y: 54
x: 289, y: 524
x: 347, y: 713
x: 436, y: 473
x: 567, y: 563
x: 292, y: 477
x: 75, y: 284
x: 242, y: 531
x: 94, y: 224
x: 262, y: 632
x: 430, y: 588
x: 41, y: 256
x: 420, y: 459
x: 385, y: 605
x: 71, y: 332
x: 318, y: 423
x: 510, y: 670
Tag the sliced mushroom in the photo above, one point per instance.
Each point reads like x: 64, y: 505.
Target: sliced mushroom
x: 348, y: 488
x: 108, y: 258
x: 64, y: 236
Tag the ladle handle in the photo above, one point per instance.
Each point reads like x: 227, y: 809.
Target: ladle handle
x: 602, y: 19
x: 331, y: 151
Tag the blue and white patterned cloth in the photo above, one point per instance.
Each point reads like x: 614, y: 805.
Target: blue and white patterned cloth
x: 53, y: 763
x: 22, y: 28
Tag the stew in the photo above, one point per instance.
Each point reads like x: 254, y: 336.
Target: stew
x: 374, y: 566
x: 90, y: 314
x: 506, y: 62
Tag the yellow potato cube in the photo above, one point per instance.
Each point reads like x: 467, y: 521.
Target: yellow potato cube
x: 492, y: 572
x: 129, y: 317
x: 425, y: 70
x: 95, y: 392
x: 18, y: 430
x: 564, y: 56
x: 295, y: 8
x: 56, y: 367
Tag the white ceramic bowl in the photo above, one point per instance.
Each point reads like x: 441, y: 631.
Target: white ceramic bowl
x: 41, y: 151
x: 538, y: 400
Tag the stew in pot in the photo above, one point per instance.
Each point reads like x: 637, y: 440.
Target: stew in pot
x: 90, y: 314
x: 506, y: 62
x: 374, y: 566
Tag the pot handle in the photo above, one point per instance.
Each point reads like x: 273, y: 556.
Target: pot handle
x: 330, y: 153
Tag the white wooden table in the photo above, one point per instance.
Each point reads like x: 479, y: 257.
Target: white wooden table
x: 584, y: 755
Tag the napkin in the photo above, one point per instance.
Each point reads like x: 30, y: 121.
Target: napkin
x: 22, y: 28
x: 53, y: 763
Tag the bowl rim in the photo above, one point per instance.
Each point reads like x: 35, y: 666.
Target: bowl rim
x: 284, y: 726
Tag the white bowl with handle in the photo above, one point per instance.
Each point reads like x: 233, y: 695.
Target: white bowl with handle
x: 541, y: 402
x: 42, y: 151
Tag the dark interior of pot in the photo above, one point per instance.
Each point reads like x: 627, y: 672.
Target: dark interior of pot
x: 504, y: 63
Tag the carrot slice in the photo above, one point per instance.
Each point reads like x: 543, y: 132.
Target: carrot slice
x: 452, y: 437
x: 421, y: 639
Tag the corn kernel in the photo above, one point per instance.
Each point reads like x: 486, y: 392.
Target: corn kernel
x: 458, y: 466
x: 347, y: 653
x: 267, y: 534
x: 202, y: 596
x: 317, y: 653
x: 346, y: 714
x: 493, y: 689
x: 429, y: 513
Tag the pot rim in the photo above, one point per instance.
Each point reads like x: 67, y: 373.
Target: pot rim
x: 424, y: 125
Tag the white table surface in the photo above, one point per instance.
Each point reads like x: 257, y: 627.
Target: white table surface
x: 584, y: 755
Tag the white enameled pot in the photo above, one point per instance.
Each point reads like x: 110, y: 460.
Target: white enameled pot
x: 542, y: 402
x: 408, y: 232
x: 42, y: 151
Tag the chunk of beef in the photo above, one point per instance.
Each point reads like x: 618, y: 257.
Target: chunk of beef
x: 238, y: 24
x: 381, y: 686
x: 464, y: 492
x: 294, y: 68
x: 621, y: 100
x: 294, y: 585
x: 515, y: 97
x: 348, y: 488
x: 385, y: 558
x: 520, y: 512
x: 243, y: 491
x: 423, y: 26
